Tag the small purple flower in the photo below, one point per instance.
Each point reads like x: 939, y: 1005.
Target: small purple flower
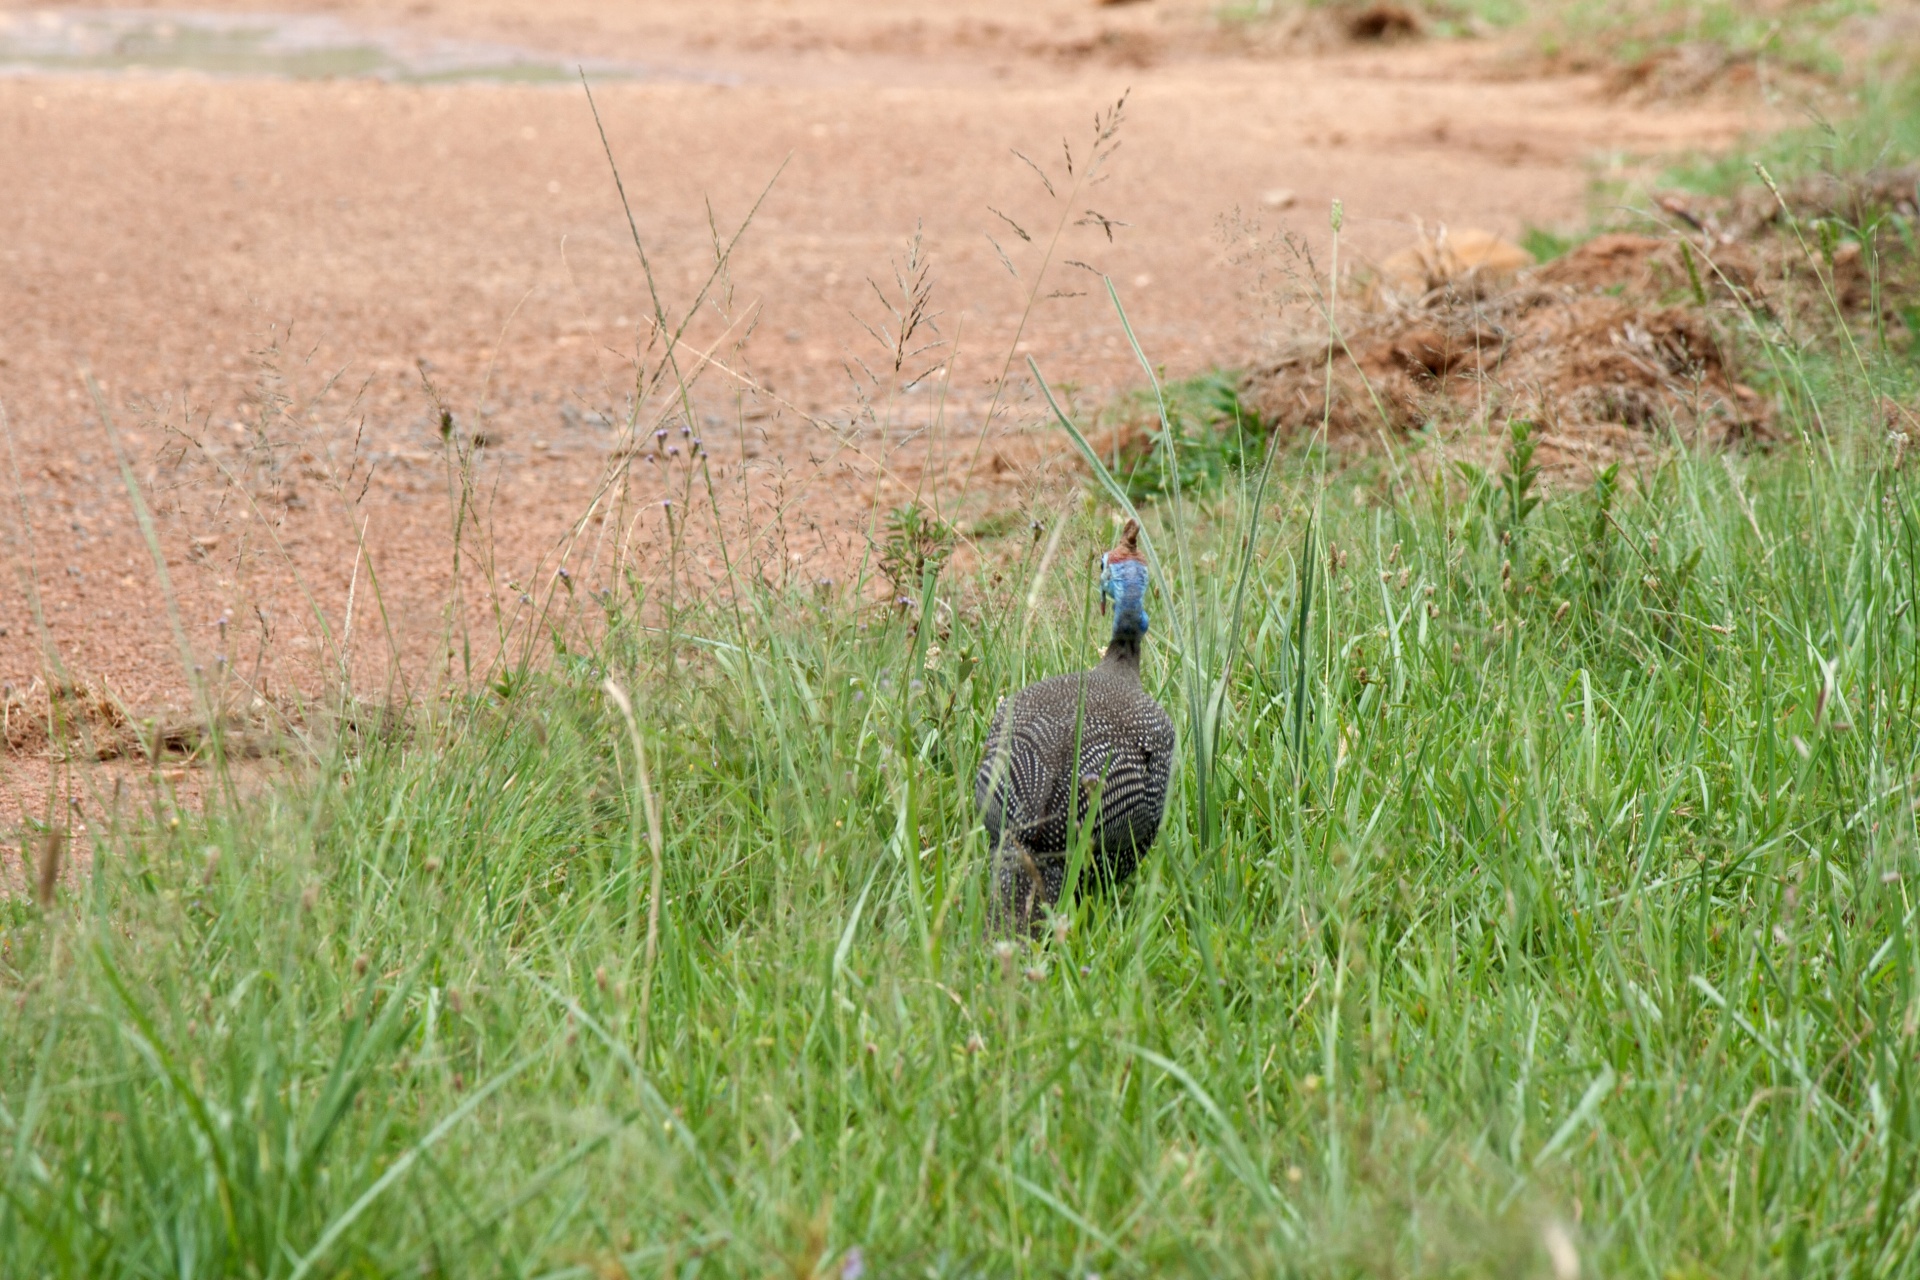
x: 564, y: 575
x: 916, y: 686
x: 661, y: 434
x: 855, y: 1265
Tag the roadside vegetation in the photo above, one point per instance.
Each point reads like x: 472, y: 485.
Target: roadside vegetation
x: 1661, y: 49
x: 1881, y: 133
x: 1536, y: 898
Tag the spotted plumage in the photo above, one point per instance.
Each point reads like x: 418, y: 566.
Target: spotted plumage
x: 1114, y: 786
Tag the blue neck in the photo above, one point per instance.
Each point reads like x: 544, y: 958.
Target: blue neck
x: 1130, y: 615
x: 1129, y: 621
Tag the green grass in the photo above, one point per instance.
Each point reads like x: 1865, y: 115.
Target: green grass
x: 1797, y: 37
x: 1575, y: 902
x: 1882, y: 130
x: 1545, y: 245
x: 1196, y: 434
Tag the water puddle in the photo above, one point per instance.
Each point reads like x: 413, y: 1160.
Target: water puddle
x: 288, y: 46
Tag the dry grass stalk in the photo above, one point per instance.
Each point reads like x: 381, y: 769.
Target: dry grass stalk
x: 47, y: 862
x: 657, y: 843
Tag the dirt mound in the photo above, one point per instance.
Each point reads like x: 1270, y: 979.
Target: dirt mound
x: 1383, y: 22
x: 23, y: 717
x: 1332, y: 27
x: 1591, y: 348
x: 82, y: 717
x: 86, y: 720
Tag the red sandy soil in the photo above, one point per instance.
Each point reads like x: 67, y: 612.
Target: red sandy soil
x: 164, y: 231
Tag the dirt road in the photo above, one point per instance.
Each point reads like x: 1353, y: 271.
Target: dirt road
x: 206, y: 245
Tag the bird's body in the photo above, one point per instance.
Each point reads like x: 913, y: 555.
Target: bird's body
x: 1089, y: 751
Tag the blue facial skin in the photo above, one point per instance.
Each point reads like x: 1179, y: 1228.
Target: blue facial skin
x: 1124, y: 582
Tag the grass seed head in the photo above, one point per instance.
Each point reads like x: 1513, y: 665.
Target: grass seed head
x: 1003, y: 952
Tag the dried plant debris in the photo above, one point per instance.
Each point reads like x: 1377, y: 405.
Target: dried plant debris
x: 1607, y: 348
x: 1688, y: 69
x: 85, y: 720
x: 67, y: 719
x: 1757, y: 211
x: 1602, y: 375
x: 1464, y: 261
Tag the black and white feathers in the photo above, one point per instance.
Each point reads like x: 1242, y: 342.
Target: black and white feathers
x: 1088, y: 751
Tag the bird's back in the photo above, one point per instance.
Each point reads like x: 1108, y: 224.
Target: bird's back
x: 1056, y: 745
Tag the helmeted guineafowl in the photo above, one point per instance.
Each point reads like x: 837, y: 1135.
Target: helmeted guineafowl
x: 1115, y: 782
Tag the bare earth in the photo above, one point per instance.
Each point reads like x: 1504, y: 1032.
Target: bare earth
x: 183, y: 238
